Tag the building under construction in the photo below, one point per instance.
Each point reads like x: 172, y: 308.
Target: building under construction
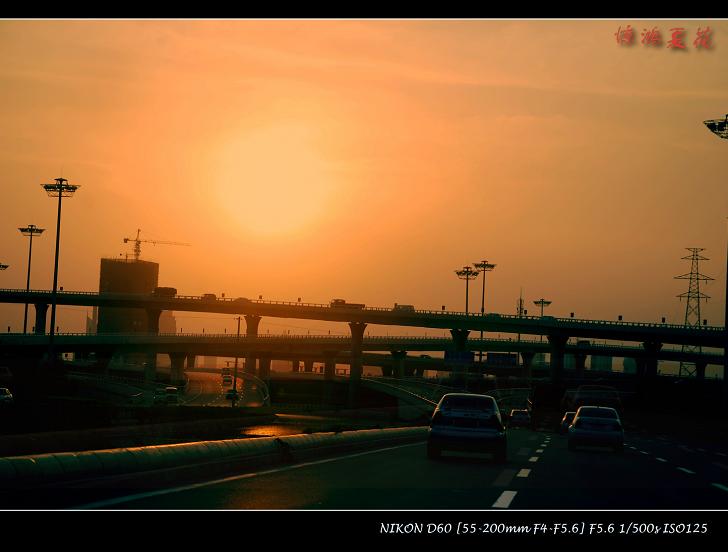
x: 125, y: 276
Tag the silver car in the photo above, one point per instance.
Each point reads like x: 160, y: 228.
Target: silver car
x: 596, y: 426
x: 467, y: 423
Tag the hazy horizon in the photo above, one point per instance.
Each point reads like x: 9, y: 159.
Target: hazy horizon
x: 368, y: 160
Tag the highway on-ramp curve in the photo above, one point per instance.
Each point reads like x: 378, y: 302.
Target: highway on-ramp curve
x: 653, y: 472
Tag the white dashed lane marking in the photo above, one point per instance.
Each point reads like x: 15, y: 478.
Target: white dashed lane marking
x: 687, y: 471
x: 644, y: 452
x: 505, y: 478
x: 533, y: 459
x: 660, y: 459
x: 505, y: 499
x: 523, y: 473
x: 721, y: 487
x: 539, y: 450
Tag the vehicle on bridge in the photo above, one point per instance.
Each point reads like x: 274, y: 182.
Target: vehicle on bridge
x: 165, y: 292
x: 464, y: 422
x: 596, y: 426
x: 403, y: 308
x: 341, y: 303
x: 209, y: 297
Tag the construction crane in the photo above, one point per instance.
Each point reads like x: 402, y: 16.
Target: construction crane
x: 138, y: 244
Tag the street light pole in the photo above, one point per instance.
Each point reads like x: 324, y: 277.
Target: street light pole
x: 543, y: 303
x: 60, y: 189
x: 484, y: 267
x: 30, y: 230
x: 467, y: 273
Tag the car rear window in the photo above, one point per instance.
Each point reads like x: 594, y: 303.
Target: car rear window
x: 598, y: 413
x: 468, y: 403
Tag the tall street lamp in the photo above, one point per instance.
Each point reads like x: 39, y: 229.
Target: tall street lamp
x: 484, y: 267
x: 467, y: 273
x: 542, y: 303
x: 30, y: 231
x: 719, y: 127
x: 60, y: 189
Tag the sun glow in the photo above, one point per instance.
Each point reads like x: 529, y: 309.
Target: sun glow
x: 273, y: 181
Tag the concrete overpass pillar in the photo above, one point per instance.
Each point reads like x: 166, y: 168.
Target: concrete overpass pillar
x: 398, y: 363
x: 308, y: 365
x: 357, y: 338
x: 150, y: 368
x: 700, y: 370
x: 251, y: 331
x: 650, y: 365
x: 153, y: 320
x: 329, y: 364
x: 103, y: 359
x: 526, y: 361
x: 580, y: 360
x: 296, y: 366
x: 264, y: 368
x: 191, y: 361
x: 558, y: 346
x: 356, y: 365
x: 177, y: 372
x: 41, y: 312
x: 460, y: 339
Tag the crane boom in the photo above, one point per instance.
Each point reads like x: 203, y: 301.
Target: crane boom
x: 138, y: 243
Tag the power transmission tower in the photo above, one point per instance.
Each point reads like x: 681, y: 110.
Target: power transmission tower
x: 692, y: 307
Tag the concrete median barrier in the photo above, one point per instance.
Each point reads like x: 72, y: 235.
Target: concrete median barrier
x: 61, y: 468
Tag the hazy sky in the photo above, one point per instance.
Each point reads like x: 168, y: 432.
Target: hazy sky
x: 370, y: 159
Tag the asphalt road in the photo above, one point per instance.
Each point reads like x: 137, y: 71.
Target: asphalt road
x: 654, y: 472
x: 205, y: 389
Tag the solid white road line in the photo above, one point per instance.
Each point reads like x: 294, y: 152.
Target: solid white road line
x: 687, y: 471
x: 505, y: 499
x: 533, y: 459
x: 523, y: 473
x: 161, y: 492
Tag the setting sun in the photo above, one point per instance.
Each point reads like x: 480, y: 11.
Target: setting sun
x: 272, y: 181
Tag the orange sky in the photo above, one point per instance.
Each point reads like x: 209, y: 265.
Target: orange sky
x: 369, y: 159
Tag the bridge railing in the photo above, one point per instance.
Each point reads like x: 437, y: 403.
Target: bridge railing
x: 551, y: 321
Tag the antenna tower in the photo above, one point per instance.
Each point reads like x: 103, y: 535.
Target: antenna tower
x: 692, y: 307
